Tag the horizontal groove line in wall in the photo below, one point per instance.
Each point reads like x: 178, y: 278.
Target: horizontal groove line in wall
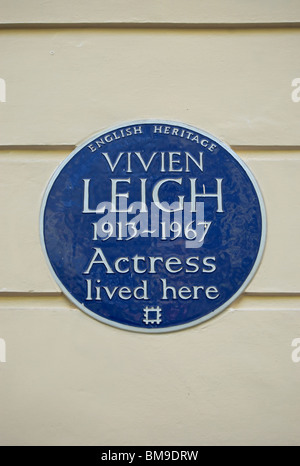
x: 30, y: 294
x: 152, y: 25
x: 70, y: 147
x: 38, y: 147
x: 271, y: 294
x: 244, y: 309
x: 264, y: 148
x: 55, y: 294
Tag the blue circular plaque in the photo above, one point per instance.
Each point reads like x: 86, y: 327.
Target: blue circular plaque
x: 153, y: 226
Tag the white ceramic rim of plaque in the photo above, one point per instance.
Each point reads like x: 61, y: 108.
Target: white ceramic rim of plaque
x: 175, y: 327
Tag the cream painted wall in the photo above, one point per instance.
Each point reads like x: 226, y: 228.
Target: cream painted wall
x: 77, y: 82
x: 69, y: 379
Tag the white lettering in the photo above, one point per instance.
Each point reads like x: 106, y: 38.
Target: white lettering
x: 195, y: 195
x: 99, y: 252
x: 156, y: 199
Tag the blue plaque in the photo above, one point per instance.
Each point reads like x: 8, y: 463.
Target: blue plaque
x: 153, y: 226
